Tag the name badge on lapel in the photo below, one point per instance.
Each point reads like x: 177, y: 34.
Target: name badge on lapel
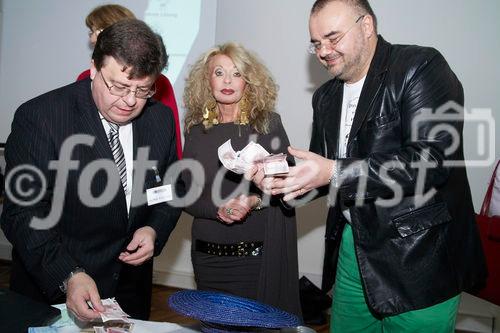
x: 158, y: 194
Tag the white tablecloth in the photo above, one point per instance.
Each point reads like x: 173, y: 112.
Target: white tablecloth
x: 67, y: 325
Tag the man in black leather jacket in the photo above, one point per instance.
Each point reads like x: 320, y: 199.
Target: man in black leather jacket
x: 400, y: 199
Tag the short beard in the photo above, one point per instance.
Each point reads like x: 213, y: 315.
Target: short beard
x: 352, y: 66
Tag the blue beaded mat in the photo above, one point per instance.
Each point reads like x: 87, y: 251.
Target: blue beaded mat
x: 224, y: 309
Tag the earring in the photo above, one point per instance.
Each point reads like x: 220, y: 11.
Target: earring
x: 210, y: 115
x: 244, y: 110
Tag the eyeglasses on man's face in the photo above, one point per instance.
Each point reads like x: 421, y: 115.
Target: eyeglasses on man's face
x: 331, y: 42
x: 125, y: 91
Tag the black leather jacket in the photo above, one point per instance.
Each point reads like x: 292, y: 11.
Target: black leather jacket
x: 411, y: 255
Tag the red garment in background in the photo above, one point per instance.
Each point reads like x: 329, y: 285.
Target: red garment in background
x: 165, y: 95
x: 489, y: 230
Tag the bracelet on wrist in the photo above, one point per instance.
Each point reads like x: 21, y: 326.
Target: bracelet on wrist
x: 259, y: 204
x: 333, y: 175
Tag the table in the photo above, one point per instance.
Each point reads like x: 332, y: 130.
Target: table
x: 67, y: 324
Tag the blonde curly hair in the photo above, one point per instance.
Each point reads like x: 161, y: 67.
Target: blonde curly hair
x: 260, y: 92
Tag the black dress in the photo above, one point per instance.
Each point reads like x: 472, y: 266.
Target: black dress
x: 271, y: 278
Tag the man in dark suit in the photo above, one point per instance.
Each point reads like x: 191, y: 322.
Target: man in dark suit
x: 92, y: 234
x: 401, y: 223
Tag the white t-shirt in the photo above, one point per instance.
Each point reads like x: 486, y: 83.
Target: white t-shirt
x: 352, y: 91
x: 349, y: 105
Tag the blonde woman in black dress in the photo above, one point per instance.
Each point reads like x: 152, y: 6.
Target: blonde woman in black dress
x: 243, y: 244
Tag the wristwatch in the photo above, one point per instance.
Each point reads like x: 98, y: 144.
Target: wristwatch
x: 64, y: 285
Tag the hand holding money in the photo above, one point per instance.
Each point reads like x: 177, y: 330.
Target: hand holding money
x: 114, y: 318
x: 314, y: 171
x: 274, y: 165
x: 112, y: 311
x: 253, y: 154
x: 82, y: 288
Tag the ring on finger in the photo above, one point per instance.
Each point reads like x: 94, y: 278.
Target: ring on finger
x: 229, y: 211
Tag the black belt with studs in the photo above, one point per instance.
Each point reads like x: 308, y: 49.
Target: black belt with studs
x: 241, y: 249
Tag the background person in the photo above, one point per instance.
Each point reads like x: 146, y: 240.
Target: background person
x: 102, y: 17
x: 231, y: 95
x: 104, y: 251
x: 400, y: 266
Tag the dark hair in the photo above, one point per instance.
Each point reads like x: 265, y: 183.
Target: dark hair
x: 363, y: 6
x: 132, y: 44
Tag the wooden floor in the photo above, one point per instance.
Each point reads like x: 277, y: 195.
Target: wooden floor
x: 159, y: 308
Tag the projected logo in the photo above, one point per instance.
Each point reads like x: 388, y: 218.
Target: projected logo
x: 178, y: 23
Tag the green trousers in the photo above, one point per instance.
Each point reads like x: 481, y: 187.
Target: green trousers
x: 350, y: 312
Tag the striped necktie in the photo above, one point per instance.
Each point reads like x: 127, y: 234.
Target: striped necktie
x: 118, y: 155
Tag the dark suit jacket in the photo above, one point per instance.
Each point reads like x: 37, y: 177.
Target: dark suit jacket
x: 88, y: 237
x: 410, y: 256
